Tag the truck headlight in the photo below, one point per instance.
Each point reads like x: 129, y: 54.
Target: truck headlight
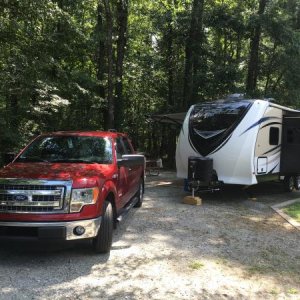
x: 81, y: 197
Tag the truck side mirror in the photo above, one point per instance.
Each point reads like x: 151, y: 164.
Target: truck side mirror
x: 8, y: 157
x: 131, y: 160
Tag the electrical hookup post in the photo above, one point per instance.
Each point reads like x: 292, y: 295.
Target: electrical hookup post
x: 201, y: 178
x: 190, y: 184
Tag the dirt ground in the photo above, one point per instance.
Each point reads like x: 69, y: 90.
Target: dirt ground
x: 231, y: 247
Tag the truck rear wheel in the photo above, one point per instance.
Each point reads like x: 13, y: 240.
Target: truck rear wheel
x: 103, y: 241
x: 140, y: 194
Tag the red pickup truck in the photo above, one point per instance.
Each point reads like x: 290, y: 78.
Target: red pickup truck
x: 69, y: 186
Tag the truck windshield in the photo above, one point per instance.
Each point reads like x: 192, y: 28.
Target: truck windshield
x: 69, y: 149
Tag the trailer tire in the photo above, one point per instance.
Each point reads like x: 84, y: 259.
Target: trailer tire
x: 140, y: 194
x: 103, y: 241
x: 288, y: 183
x: 297, y: 182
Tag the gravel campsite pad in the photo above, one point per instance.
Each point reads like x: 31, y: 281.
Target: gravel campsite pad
x: 234, y: 246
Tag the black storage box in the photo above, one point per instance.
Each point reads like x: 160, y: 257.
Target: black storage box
x: 200, y: 169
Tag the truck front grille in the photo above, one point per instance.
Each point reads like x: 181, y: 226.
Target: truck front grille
x: 26, y: 187
x: 33, y: 198
x: 29, y: 209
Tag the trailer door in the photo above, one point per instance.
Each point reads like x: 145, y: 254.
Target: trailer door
x: 290, y: 153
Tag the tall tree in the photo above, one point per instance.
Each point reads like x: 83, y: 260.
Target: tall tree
x: 62, y: 63
x: 253, y: 64
x: 100, y: 49
x: 193, y: 53
x: 122, y: 21
x: 110, y: 122
x: 100, y: 58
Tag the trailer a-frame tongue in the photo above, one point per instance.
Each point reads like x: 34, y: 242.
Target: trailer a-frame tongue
x: 290, y: 151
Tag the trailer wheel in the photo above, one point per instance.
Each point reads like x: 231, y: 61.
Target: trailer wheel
x: 288, y: 183
x: 103, y: 241
x: 140, y: 194
x: 297, y: 182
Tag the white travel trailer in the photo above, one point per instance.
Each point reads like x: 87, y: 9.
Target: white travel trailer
x: 239, y: 142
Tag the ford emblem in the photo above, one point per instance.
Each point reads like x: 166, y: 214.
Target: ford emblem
x: 20, y: 197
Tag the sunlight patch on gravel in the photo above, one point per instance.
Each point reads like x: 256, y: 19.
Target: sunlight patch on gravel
x: 169, y: 280
x: 223, y: 249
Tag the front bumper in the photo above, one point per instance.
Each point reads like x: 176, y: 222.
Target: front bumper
x: 49, y: 230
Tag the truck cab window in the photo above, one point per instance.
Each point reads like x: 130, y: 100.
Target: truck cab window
x: 274, y: 136
x: 128, y: 149
x: 119, y: 148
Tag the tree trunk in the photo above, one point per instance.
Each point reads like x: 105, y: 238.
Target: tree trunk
x: 297, y: 25
x: 188, y: 75
x: 253, y: 64
x: 110, y: 123
x: 269, y: 69
x: 100, y: 54
x: 122, y: 20
x: 193, y: 53
x: 238, y: 48
x: 276, y: 84
x: 170, y: 58
x: 14, y: 112
x: 171, y: 137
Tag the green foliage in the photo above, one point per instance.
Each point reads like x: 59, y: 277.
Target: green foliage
x: 196, y: 265
x: 49, y: 63
x: 293, y: 211
x: 48, y: 79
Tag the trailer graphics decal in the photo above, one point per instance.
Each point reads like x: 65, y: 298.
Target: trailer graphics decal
x: 211, y: 124
x: 264, y: 119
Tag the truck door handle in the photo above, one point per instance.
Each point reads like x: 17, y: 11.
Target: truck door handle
x: 129, y: 169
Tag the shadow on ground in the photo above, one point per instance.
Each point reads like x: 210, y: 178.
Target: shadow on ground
x: 231, y: 235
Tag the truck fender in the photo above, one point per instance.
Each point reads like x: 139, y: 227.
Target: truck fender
x: 108, y: 190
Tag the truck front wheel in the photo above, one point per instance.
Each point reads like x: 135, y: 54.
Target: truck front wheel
x: 103, y: 241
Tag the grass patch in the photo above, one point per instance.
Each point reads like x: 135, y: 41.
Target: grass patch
x: 258, y: 269
x: 274, y: 292
x: 222, y: 261
x: 293, y: 211
x: 292, y: 291
x: 196, y: 265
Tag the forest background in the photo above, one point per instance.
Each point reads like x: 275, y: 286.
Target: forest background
x: 99, y: 64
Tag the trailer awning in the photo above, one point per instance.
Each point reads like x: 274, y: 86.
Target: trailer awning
x: 176, y: 118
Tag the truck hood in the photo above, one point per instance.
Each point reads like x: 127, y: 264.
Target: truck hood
x: 78, y: 172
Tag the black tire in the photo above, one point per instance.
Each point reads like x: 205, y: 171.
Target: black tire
x: 288, y: 183
x: 297, y: 182
x: 140, y: 194
x: 103, y: 241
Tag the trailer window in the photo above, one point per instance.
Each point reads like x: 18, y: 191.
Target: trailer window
x: 209, y: 119
x: 274, y: 136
